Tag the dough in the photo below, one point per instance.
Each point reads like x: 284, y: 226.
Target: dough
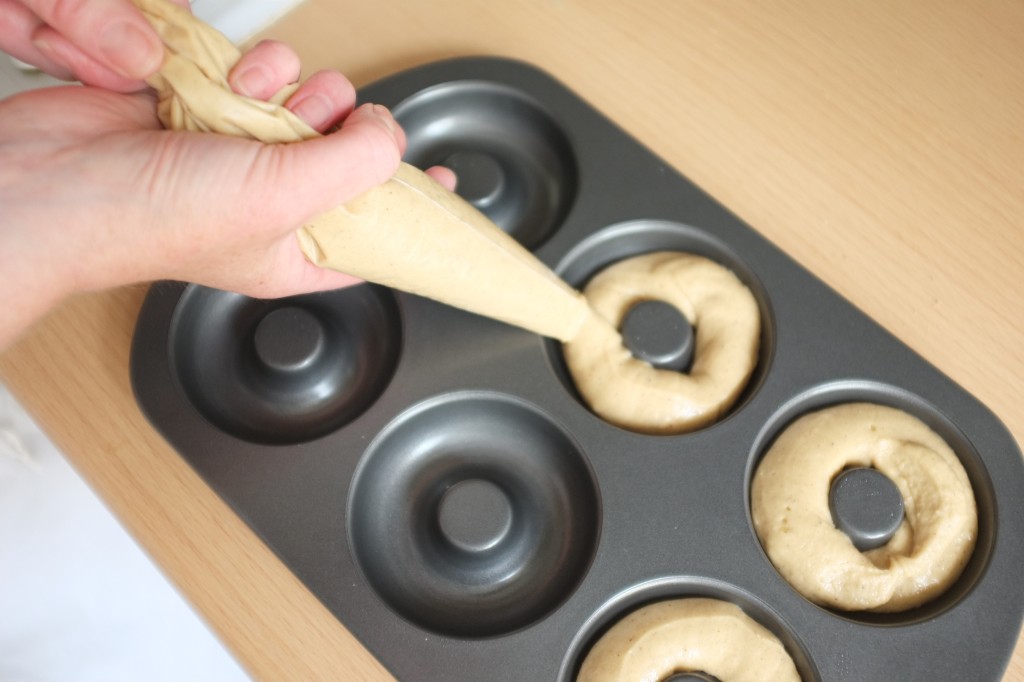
x: 409, y: 233
x: 631, y: 393
x: 688, y: 635
x: 790, y: 507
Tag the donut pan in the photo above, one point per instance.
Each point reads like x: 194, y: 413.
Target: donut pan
x: 433, y: 478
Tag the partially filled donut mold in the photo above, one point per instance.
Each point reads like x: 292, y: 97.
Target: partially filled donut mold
x: 614, y: 243
x: 433, y: 478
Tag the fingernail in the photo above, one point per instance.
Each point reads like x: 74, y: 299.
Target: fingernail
x: 129, y: 50
x: 315, y: 110
x: 384, y: 114
x: 253, y: 81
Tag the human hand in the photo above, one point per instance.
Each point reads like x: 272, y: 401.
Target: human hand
x: 96, y: 194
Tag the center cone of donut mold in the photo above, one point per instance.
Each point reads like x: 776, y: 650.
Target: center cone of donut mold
x: 475, y: 515
x: 657, y: 333
x: 288, y: 339
x: 481, y: 177
x: 867, y: 506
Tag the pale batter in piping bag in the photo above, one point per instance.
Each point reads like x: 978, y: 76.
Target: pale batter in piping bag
x: 409, y: 233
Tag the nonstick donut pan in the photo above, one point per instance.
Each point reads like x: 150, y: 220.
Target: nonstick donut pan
x: 432, y: 476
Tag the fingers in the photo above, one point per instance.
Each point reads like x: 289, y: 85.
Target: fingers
x: 265, y: 69
x: 106, y: 43
x: 113, y: 33
x: 443, y: 176
x: 324, y: 100
x: 60, y: 50
x: 17, y: 24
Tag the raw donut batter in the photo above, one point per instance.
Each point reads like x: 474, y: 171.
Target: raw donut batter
x: 631, y: 393
x: 688, y: 635
x: 790, y: 509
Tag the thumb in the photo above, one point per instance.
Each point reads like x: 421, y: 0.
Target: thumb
x: 320, y: 174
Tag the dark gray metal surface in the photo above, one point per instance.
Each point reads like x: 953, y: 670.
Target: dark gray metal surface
x: 453, y: 502
x: 657, y: 333
x: 867, y: 506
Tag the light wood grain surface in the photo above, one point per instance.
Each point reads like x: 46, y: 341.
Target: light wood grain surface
x: 879, y: 143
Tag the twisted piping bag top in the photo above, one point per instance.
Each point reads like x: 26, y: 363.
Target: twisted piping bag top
x: 409, y: 233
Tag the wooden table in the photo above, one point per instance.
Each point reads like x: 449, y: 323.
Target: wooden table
x: 879, y: 143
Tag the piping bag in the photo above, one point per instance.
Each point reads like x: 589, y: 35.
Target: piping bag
x: 409, y: 233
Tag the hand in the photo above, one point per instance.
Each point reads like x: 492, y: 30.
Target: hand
x: 96, y: 195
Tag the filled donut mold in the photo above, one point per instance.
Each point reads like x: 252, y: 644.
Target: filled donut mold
x: 910, y: 437
x: 434, y: 478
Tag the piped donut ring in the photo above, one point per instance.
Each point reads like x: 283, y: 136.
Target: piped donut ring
x: 631, y: 393
x: 789, y: 503
x: 688, y: 635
